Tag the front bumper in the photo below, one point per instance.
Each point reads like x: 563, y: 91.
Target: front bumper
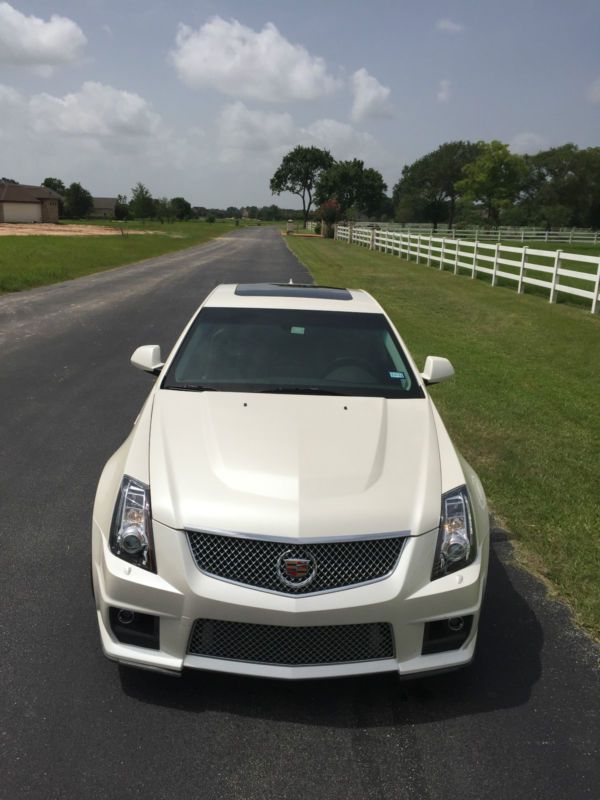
x: 181, y: 594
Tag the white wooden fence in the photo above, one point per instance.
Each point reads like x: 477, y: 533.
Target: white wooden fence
x: 506, y: 234
x: 549, y: 270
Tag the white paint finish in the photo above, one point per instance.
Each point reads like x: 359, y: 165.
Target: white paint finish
x: 285, y: 465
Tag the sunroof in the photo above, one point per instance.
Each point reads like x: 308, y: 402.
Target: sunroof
x: 292, y: 290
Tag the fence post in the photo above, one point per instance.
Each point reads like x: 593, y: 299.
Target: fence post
x: 546, y: 238
x: 474, y: 270
x: 495, y: 265
x: 596, y: 290
x: 429, y: 251
x: 418, y: 249
x: 522, y: 234
x: 372, y: 245
x: 571, y: 236
x: 498, y: 234
x: 456, y: 249
x: 555, y: 276
x: 442, y: 254
x: 522, y: 271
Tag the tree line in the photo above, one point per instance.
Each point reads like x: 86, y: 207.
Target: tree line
x: 77, y: 203
x: 466, y: 183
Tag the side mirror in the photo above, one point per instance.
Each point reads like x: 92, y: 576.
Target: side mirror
x: 147, y: 358
x: 437, y: 369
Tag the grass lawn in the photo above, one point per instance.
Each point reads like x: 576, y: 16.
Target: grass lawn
x: 28, y: 261
x: 524, y: 407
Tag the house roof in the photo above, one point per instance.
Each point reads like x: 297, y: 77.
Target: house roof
x: 104, y: 203
x: 22, y: 193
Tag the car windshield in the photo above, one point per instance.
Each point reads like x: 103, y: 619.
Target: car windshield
x: 292, y: 351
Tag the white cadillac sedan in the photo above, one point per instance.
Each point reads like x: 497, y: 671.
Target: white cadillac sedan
x: 289, y: 503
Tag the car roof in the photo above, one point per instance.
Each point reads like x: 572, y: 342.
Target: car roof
x: 292, y: 295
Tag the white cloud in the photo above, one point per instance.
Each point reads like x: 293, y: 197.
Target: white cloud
x: 527, y: 142
x: 371, y: 98
x: 341, y: 139
x: 241, y: 62
x: 243, y: 132
x: 444, y: 91
x: 593, y: 92
x: 448, y: 26
x: 30, y: 41
x: 96, y: 110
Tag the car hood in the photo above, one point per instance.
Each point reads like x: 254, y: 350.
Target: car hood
x: 294, y: 465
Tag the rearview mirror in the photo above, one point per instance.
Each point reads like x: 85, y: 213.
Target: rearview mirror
x: 437, y: 369
x: 147, y: 358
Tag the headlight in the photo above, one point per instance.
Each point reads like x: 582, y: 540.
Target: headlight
x: 456, y: 538
x: 131, y: 530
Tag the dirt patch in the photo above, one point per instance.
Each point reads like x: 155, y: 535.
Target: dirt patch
x: 43, y: 229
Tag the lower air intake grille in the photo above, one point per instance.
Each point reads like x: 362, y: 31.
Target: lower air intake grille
x: 272, y: 644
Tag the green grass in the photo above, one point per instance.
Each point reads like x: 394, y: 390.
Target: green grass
x: 523, y: 408
x: 28, y: 261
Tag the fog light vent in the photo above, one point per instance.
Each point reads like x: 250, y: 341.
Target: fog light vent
x: 446, y: 634
x: 131, y: 627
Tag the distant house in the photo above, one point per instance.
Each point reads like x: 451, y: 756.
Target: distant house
x: 20, y: 202
x: 104, y: 208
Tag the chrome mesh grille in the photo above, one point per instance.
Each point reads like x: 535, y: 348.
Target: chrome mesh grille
x: 257, y: 562
x: 284, y: 646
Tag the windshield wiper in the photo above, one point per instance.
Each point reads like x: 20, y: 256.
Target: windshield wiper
x: 194, y: 387
x: 300, y: 390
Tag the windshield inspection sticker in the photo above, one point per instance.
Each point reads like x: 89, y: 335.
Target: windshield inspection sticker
x: 296, y: 329
x: 397, y: 375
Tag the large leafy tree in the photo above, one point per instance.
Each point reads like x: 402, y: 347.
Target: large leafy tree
x: 355, y: 187
x: 181, y: 208
x: 563, y: 187
x: 78, y: 202
x: 141, y: 205
x: 494, y: 179
x: 427, y: 190
x: 298, y: 173
x: 121, y: 207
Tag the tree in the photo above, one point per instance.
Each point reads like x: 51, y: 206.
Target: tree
x: 563, y: 187
x: 298, y: 173
x: 494, y: 179
x: 180, y: 208
x: 330, y: 212
x: 78, y: 202
x: 141, y: 205
x: 427, y: 190
x: 121, y: 207
x: 354, y: 187
x: 9, y: 180
x: 57, y: 186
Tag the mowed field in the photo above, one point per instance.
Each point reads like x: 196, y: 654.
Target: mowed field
x: 28, y: 261
x: 524, y: 407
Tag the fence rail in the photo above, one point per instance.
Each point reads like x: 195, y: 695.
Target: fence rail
x: 548, y: 271
x: 566, y: 235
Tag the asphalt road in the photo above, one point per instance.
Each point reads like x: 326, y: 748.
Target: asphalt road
x: 522, y: 722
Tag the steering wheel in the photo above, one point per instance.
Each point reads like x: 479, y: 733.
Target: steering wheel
x: 349, y: 361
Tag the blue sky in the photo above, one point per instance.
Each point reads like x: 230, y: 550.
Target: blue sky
x: 202, y: 99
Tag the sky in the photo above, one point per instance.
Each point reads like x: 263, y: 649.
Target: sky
x: 203, y: 99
